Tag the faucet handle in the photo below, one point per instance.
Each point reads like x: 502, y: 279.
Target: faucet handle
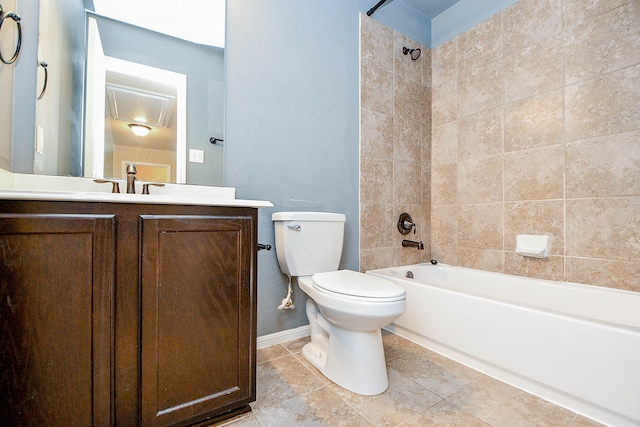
x: 115, y: 185
x: 145, y: 186
x: 405, y: 224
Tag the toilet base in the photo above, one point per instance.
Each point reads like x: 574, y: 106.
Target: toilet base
x: 354, y: 360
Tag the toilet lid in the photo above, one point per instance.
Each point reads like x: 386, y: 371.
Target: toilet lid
x: 352, y: 283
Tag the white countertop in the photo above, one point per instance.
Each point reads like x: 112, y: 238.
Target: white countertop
x: 54, y: 188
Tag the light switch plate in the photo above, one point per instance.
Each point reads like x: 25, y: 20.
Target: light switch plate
x: 39, y: 139
x: 196, y: 156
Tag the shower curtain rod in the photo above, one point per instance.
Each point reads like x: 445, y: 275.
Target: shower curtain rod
x: 373, y: 9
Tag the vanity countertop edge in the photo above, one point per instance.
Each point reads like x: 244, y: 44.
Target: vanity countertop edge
x: 70, y: 196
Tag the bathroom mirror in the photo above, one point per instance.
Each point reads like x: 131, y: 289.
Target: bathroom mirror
x: 104, y: 74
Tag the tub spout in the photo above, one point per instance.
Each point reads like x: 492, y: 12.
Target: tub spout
x: 412, y: 244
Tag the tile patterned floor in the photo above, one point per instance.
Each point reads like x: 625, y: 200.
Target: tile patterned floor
x: 425, y: 389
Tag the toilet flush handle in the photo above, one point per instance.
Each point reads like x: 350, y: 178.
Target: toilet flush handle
x: 295, y: 227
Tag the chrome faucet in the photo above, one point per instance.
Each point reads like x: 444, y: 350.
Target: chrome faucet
x: 131, y: 178
x: 413, y: 244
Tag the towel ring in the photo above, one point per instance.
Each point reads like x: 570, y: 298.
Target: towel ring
x: 16, y: 18
x: 46, y: 77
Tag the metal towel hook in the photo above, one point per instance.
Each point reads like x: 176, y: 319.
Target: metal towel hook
x: 16, y: 18
x: 46, y: 77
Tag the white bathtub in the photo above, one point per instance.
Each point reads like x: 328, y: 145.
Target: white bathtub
x: 575, y: 345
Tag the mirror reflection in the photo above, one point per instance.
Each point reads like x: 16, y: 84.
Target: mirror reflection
x: 168, y: 89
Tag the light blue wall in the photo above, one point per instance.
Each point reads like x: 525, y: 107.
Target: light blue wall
x: 403, y: 18
x: 462, y: 16
x: 24, y: 92
x: 292, y: 124
x: 24, y: 103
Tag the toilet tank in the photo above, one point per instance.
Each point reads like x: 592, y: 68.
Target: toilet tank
x: 308, y: 242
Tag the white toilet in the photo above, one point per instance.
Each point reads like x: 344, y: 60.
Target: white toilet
x: 346, y: 309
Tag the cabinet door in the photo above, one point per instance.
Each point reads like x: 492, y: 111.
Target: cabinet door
x: 197, y: 312
x: 56, y: 287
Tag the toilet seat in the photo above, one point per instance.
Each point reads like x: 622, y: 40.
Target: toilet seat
x: 353, y: 284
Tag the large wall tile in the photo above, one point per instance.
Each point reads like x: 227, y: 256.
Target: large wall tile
x: 444, y: 184
x: 534, y: 174
x: 481, y: 259
x: 481, y: 134
x: 480, y: 180
x: 411, y: 100
x: 444, y: 103
x: 445, y: 254
x: 481, y: 226
x: 407, y: 182
x: 407, y: 140
x: 376, y: 180
x: 444, y: 62
x: 376, y: 89
x: 444, y: 225
x: 604, y: 166
x: 376, y: 44
x: 371, y: 259
x: 377, y: 225
x: 534, y: 122
x: 607, y: 228
x: 575, y: 12
x: 480, y: 88
x: 481, y: 44
x: 551, y: 268
x: 602, y: 272
x: 444, y: 146
x: 609, y: 104
x: 607, y: 43
x: 530, y: 21
x: 376, y: 134
x: 534, y: 70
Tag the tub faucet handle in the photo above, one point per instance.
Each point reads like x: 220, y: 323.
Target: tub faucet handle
x: 405, y: 224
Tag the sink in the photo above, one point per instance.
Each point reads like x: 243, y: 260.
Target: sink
x: 40, y: 187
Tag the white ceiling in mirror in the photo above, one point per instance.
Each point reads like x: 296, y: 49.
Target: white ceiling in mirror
x: 198, y: 21
x: 133, y: 104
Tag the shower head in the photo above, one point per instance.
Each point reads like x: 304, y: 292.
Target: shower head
x: 415, y: 53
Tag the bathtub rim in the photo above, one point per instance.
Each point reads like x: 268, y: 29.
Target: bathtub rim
x: 635, y: 328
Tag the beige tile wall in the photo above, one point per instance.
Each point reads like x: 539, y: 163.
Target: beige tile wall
x: 395, y: 153
x: 536, y: 130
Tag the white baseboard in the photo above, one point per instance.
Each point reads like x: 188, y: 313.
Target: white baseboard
x: 284, y: 336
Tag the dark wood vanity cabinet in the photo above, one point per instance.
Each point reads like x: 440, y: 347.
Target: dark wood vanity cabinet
x: 126, y: 314
x: 56, y: 288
